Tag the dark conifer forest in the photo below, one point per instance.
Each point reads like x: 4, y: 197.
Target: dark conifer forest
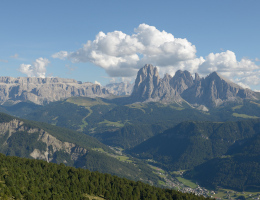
x: 22, y: 178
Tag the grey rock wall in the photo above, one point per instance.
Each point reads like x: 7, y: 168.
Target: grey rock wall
x: 45, y: 90
x: 211, y: 91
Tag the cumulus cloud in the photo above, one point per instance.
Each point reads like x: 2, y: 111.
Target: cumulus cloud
x: 243, y: 72
x: 61, y: 55
x: 121, y: 55
x: 37, y: 69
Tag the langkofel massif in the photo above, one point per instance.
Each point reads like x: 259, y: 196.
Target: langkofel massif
x: 210, y: 91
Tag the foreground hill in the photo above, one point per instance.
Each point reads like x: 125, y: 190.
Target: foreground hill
x: 34, y: 179
x: 59, y: 145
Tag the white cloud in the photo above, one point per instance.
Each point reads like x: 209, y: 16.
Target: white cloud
x: 189, y: 65
x: 98, y: 83
x: 37, y: 69
x: 243, y: 85
x: 61, y: 55
x: 121, y: 55
x: 243, y: 72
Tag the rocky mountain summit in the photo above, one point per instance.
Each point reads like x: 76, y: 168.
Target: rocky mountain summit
x: 211, y: 91
x: 45, y: 90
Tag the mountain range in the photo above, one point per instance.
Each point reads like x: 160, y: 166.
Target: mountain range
x: 179, y: 122
x: 29, y: 139
x: 45, y: 90
x: 211, y: 91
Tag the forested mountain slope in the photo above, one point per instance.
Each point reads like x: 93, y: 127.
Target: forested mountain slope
x: 125, y: 125
x: 192, y: 143
x: 37, y: 140
x: 22, y: 178
x: 238, y: 169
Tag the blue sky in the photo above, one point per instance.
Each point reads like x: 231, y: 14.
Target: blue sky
x: 220, y: 36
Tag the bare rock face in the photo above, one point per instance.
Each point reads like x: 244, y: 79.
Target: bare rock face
x: 45, y: 90
x: 211, y: 91
x: 146, y: 82
x: 53, y: 145
x: 214, y: 90
x: 120, y: 89
x: 165, y: 92
x: 181, y: 81
x: 149, y: 86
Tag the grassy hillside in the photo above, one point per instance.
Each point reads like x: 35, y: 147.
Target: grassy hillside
x: 116, y: 125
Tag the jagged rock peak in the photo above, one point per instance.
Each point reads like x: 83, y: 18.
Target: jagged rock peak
x: 210, y: 91
x: 148, y: 71
x: 149, y: 86
x: 120, y: 89
x: 197, y: 77
x: 181, y: 81
x: 167, y: 77
x: 216, y: 75
x: 146, y: 81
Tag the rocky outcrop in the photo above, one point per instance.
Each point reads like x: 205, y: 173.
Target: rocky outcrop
x: 120, y: 89
x: 46, y: 152
x: 211, y: 91
x: 45, y: 90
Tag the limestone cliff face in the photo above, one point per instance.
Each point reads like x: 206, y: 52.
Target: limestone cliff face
x: 214, y: 90
x: 210, y: 91
x: 52, y: 144
x: 147, y: 81
x: 44, y: 90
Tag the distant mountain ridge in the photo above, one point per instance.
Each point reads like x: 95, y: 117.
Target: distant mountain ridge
x: 45, y: 90
x: 211, y: 91
x: 120, y: 89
